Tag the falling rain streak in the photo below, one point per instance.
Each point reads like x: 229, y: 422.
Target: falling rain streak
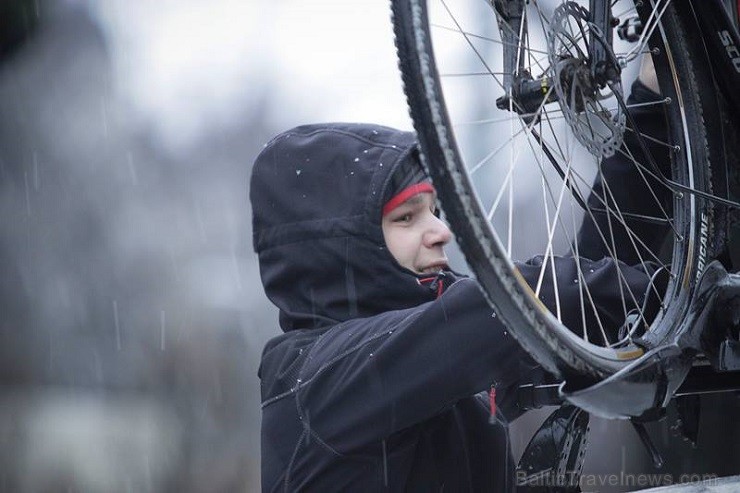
x: 104, y: 116
x: 35, y: 171
x: 115, y: 322
x: 162, y: 325
x: 28, y: 194
x: 237, y: 271
x: 132, y: 168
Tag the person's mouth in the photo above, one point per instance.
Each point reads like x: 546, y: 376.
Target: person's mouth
x: 434, y: 268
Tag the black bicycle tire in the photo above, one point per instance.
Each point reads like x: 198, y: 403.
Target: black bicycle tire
x: 551, y: 344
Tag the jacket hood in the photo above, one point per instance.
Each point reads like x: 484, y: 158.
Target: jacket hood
x: 317, y: 194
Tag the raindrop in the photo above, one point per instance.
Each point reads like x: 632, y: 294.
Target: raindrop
x: 385, y: 465
x: 175, y: 268
x: 131, y: 168
x: 357, y: 159
x: 394, y: 146
x: 352, y: 173
x: 381, y: 165
x: 104, y: 117
x: 575, y: 281
x: 237, y: 271
x: 375, y: 132
x: 28, y: 195
x: 365, y: 151
x: 371, y: 355
x: 115, y: 321
x: 590, y: 270
x: 35, y: 171
x: 161, y: 330
x: 308, y: 427
x: 297, y: 172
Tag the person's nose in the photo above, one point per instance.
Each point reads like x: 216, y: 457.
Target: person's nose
x: 438, y: 233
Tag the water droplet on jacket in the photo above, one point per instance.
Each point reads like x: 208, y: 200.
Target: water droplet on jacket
x: 365, y: 151
x: 381, y: 165
x: 590, y: 270
x: 297, y: 172
x: 375, y: 132
x: 575, y: 281
x: 371, y: 355
x: 351, y: 172
x: 357, y: 159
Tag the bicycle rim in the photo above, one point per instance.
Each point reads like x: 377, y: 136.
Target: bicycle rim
x: 514, y: 185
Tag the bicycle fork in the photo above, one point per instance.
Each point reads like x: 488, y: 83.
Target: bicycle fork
x: 523, y: 93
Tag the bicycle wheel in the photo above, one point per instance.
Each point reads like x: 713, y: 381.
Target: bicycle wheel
x: 516, y: 133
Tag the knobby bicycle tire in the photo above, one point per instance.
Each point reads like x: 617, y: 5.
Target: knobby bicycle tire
x: 697, y: 161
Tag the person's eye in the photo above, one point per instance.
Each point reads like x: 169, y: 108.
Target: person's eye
x: 406, y: 218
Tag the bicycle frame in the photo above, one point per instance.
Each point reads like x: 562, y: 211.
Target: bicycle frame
x: 722, y: 46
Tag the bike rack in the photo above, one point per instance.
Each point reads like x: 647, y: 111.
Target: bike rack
x: 641, y: 391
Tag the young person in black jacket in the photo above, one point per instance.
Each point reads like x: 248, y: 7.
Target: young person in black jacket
x: 379, y: 381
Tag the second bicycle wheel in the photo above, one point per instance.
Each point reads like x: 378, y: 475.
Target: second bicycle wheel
x: 534, y: 156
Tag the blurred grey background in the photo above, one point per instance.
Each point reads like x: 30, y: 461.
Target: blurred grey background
x: 132, y: 316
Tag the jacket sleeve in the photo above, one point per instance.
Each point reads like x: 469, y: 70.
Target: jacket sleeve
x: 366, y: 379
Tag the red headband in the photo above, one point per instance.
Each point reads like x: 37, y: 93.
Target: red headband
x: 407, y: 193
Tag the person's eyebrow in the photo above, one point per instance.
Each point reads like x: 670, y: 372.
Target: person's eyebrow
x: 416, y: 199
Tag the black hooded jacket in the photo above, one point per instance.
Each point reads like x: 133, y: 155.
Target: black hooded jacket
x: 377, y: 383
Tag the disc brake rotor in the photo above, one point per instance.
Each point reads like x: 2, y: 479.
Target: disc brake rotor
x: 584, y: 104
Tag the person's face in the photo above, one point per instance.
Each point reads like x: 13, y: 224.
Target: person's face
x: 415, y: 236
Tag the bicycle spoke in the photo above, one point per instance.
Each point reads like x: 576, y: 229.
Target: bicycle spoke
x: 475, y: 50
x: 466, y: 34
x: 554, y: 134
x: 550, y: 255
x: 471, y: 74
x: 493, y: 153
